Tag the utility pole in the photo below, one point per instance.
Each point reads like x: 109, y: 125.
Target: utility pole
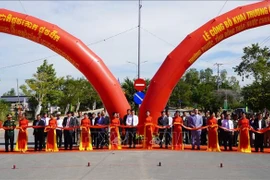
x: 139, y: 39
x: 218, y: 73
x: 18, y: 91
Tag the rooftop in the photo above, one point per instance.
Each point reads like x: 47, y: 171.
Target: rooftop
x: 13, y: 99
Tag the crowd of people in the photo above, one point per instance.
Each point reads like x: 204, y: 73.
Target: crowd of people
x: 99, y: 130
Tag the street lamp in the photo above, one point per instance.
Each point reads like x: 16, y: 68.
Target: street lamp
x: 137, y: 67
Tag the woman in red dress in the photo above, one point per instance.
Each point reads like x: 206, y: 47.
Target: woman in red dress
x: 244, y: 141
x: 85, y: 143
x: 212, y: 144
x: 21, y: 144
x: 148, y: 132
x: 115, y: 140
x: 177, y: 139
x: 51, y: 135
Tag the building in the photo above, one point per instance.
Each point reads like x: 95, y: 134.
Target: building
x: 17, y: 101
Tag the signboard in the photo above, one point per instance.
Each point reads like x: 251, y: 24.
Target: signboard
x: 138, y: 97
x: 139, y: 84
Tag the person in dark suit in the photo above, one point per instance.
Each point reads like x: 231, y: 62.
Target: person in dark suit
x: 124, y: 131
x: 106, y: 132
x: 95, y: 131
x: 68, y: 122
x: 220, y: 131
x: 38, y: 133
x: 163, y: 121
x: 204, y: 131
x: 235, y: 133
x: 77, y: 123
x: 259, y: 123
x: 169, y: 129
x: 102, y: 120
x: 187, y: 133
x: 125, y: 117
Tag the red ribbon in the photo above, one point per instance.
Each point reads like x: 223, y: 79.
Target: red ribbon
x: 127, y: 127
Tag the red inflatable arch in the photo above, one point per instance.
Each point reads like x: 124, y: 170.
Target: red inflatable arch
x: 193, y: 46
x: 71, y: 49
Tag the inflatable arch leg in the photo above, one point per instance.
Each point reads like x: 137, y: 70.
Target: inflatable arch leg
x: 193, y: 46
x: 71, y: 49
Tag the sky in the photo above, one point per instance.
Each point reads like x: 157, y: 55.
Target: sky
x: 164, y: 25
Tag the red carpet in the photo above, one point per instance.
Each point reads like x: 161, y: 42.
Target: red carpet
x: 138, y: 148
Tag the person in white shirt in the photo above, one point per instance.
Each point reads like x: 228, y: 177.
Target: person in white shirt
x: 132, y: 120
x: 227, y: 134
x: 59, y: 132
x: 46, y: 119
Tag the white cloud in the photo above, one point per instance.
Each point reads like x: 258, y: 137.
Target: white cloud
x: 91, y: 21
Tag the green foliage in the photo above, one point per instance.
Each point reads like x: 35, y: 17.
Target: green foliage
x: 46, y: 88
x: 78, y: 90
x: 11, y: 92
x: 44, y: 85
x: 128, y: 88
x: 181, y: 95
x: 4, y: 110
x: 257, y: 95
x: 198, y: 89
x: 255, y: 63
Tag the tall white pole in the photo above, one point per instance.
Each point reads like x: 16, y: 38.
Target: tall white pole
x: 139, y: 39
x: 18, y: 91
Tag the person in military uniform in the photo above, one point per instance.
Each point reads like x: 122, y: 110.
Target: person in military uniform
x: 9, y: 126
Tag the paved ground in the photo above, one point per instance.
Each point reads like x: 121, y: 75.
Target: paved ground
x: 132, y: 164
x: 135, y: 164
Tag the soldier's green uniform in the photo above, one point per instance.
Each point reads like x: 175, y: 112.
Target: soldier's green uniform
x: 9, y: 134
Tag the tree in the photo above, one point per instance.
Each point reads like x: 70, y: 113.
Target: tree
x: 257, y: 96
x: 207, y: 76
x: 234, y: 84
x: 4, y: 110
x: 255, y: 63
x: 128, y: 88
x: 43, y: 84
x: 204, y: 96
x: 181, y: 94
x: 198, y: 89
x: 78, y: 91
x: 11, y: 92
x: 192, y: 77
